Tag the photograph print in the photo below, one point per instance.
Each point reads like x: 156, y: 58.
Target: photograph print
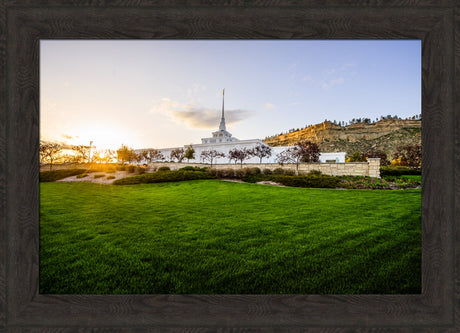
x: 230, y: 167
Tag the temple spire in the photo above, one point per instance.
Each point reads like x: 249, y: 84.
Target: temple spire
x: 222, y: 119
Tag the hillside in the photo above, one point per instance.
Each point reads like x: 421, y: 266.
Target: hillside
x: 385, y: 135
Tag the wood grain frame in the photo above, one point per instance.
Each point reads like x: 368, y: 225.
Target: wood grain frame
x: 24, y: 23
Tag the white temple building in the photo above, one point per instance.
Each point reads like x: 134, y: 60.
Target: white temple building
x: 223, y: 141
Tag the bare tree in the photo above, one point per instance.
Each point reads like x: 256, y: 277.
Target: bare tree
x: 82, y: 153
x: 151, y: 155
x: 98, y: 156
x: 239, y: 154
x: 49, y: 152
x: 178, y: 154
x: 261, y: 151
x: 109, y: 155
x: 210, y: 155
x: 303, y: 151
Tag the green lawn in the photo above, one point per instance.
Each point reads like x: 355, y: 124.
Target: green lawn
x: 216, y: 237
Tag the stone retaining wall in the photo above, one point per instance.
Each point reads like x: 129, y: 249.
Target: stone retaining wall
x: 370, y: 168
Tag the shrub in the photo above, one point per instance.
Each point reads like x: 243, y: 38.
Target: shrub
x: 267, y: 172
x: 110, y: 177
x: 211, y: 172
x: 240, y: 173
x: 83, y: 175
x: 131, y: 168
x: 53, y: 175
x: 99, y: 175
x: 140, y: 170
x: 278, y: 171
x: 161, y: 177
x: 252, y: 171
x: 193, y: 168
x: 110, y: 170
x: 314, y: 173
x: 398, y: 171
x: 121, y: 167
x: 289, y: 172
x: 225, y: 173
x: 319, y: 181
x: 164, y: 168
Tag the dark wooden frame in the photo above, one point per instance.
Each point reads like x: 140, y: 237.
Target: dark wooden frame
x: 24, y: 23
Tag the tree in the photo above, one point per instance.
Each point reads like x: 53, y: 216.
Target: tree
x: 81, y: 153
x: 138, y: 157
x: 98, y: 156
x: 356, y: 157
x: 290, y: 155
x: 49, y: 152
x: 261, y: 151
x: 303, y: 151
x: 189, y: 153
x: 239, y: 154
x: 178, y: 154
x: 151, y: 155
x: 109, y: 155
x: 210, y: 155
x: 309, y: 150
x: 410, y: 155
x: 376, y: 154
x: 125, y: 154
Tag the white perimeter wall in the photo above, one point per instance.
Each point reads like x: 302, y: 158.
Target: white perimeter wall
x: 225, y: 147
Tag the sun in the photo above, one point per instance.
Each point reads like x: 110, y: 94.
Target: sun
x: 103, y: 137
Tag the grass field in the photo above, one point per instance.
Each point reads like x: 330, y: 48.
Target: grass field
x: 216, y: 237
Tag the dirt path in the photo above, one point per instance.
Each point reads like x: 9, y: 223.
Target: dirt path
x: 100, y: 180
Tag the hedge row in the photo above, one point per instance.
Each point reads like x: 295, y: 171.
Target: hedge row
x: 314, y: 180
x: 244, y: 172
x: 53, y: 175
x: 163, y: 176
x: 398, y: 171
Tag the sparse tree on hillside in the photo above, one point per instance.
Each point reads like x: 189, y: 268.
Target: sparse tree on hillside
x: 49, y: 152
x: 261, y: 151
x: 210, y: 155
x: 178, y: 154
x: 240, y: 155
x: 189, y: 153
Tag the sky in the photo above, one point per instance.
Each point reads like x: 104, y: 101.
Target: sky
x: 168, y: 93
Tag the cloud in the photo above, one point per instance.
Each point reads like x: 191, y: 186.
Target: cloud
x: 332, y: 76
x: 332, y: 82
x: 196, y: 116
x: 196, y: 88
x: 269, y: 106
x: 206, y: 119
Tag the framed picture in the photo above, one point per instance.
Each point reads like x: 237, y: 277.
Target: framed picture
x: 28, y: 301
